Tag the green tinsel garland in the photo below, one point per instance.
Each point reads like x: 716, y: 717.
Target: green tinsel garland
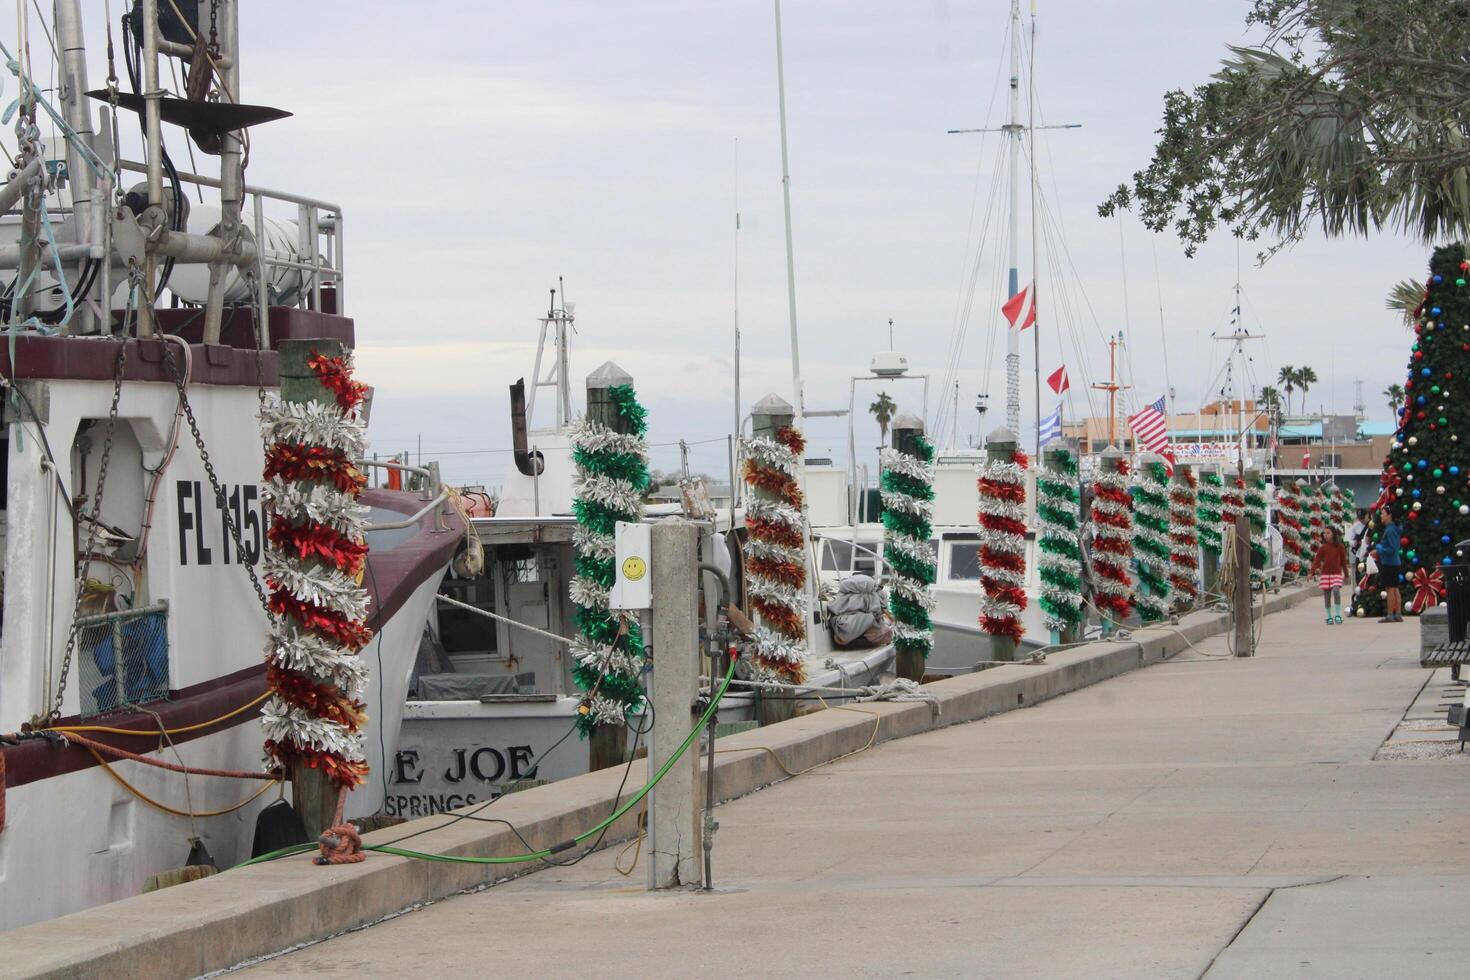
x: 1151, y: 542
x: 612, y: 475
x: 1255, y: 513
x: 908, y: 483
x: 1059, y: 562
x: 1208, y: 512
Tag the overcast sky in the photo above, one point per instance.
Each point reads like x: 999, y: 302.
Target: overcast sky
x: 481, y: 150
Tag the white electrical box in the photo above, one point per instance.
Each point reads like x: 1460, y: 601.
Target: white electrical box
x: 633, y: 586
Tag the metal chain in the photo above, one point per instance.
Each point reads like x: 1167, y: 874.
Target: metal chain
x: 221, y: 501
x: 214, y: 28
x: 85, y: 558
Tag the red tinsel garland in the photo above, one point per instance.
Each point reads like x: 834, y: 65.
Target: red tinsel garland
x: 322, y: 700
x: 790, y: 573
x: 312, y: 540
x: 791, y: 439
x: 339, y: 771
x: 314, y: 463
x: 336, y: 376
x: 326, y: 623
x: 775, y: 533
x: 774, y: 482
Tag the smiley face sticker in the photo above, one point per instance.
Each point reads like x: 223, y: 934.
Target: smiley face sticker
x: 634, y: 568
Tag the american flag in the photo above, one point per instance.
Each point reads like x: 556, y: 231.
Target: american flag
x: 1151, y: 429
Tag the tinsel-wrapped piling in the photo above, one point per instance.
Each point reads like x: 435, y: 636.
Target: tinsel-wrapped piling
x: 908, y: 504
x: 1112, y: 539
x: 1183, y: 538
x: 1312, y: 511
x: 611, y: 459
x: 1232, y: 501
x: 1211, y: 500
x: 1002, y: 517
x: 1288, y: 506
x: 1059, y: 548
x: 1255, y: 512
x: 1335, y: 511
x: 313, y: 570
x: 775, y: 565
x: 1150, y: 493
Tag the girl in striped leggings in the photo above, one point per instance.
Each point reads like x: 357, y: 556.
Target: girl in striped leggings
x: 1331, y: 565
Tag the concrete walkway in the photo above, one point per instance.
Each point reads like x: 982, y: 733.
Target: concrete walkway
x: 1206, y: 816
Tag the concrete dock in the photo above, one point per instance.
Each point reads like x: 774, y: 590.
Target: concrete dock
x: 1206, y: 816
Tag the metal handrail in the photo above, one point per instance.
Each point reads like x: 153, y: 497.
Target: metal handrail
x: 418, y: 516
x: 161, y: 606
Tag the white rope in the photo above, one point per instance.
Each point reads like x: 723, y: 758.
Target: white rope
x: 505, y: 619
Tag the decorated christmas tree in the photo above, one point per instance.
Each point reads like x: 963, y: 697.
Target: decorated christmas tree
x: 1425, y: 477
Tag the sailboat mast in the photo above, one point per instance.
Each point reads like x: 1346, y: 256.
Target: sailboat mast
x: 797, y: 401
x: 1013, y: 129
x: 1035, y: 268
x: 734, y: 489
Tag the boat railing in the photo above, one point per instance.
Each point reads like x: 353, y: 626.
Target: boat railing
x: 319, y: 238
x: 122, y: 658
x: 434, y: 493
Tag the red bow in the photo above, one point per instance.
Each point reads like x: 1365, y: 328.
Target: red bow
x: 1428, y: 588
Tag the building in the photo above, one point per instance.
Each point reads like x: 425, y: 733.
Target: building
x: 1344, y: 448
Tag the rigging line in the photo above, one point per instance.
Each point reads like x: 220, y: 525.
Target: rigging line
x: 1153, y: 240
x: 975, y: 193
x: 961, y: 329
x: 958, y: 338
x: 1069, y: 318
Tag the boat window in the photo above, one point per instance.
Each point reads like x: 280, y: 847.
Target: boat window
x: 524, y: 570
x: 836, y: 555
x: 864, y: 559
x: 461, y: 631
x: 964, y: 561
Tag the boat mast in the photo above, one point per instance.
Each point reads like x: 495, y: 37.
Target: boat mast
x: 1013, y: 129
x: 734, y: 488
x: 1112, y: 387
x: 797, y: 402
x: 1035, y: 267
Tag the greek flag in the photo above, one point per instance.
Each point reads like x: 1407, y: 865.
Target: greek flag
x: 1051, y: 426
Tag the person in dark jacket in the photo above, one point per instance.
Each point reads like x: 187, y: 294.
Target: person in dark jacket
x: 1390, y: 564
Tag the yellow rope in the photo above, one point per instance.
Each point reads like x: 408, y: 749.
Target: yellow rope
x: 171, y: 810
x: 81, y: 729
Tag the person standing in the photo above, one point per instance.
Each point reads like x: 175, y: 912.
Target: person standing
x: 1330, y: 563
x: 1389, y: 562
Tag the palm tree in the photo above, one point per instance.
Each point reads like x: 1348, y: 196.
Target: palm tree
x: 1395, y: 395
x: 883, y: 410
x: 1287, y: 377
x: 1271, y: 400
x: 1305, y: 378
x: 1404, y: 298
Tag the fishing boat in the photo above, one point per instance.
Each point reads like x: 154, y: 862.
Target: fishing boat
x: 142, y: 342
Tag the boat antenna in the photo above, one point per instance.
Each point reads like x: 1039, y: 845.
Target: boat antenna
x: 734, y: 487
x: 1035, y: 265
x: 797, y: 402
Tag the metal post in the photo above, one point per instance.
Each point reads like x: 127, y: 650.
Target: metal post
x: 70, y: 41
x: 674, y: 812
x: 1244, y: 634
x: 1000, y: 446
x: 152, y: 121
x: 607, y: 743
x: 231, y: 177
